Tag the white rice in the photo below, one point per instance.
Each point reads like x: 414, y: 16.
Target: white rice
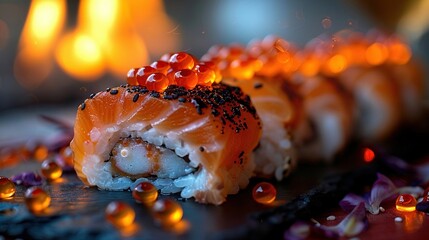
x: 275, y: 155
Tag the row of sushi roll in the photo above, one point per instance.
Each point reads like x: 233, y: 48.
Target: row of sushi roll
x: 203, y: 128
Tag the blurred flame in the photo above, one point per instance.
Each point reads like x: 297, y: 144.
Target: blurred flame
x: 110, y: 37
x: 80, y: 56
x: 42, y: 27
x: 103, y: 41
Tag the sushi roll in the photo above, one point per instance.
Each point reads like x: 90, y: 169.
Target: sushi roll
x: 329, y: 119
x: 254, y: 69
x: 176, y: 128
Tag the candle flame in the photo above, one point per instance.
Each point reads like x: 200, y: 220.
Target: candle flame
x: 109, y: 37
x: 33, y: 63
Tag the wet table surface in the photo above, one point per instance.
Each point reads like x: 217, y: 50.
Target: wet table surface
x: 77, y: 211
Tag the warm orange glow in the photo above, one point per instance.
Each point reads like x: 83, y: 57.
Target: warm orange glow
x: 110, y: 37
x: 406, y: 209
x: 413, y: 221
x: 125, y: 51
x: 310, y: 67
x: 399, y: 53
x: 337, y: 64
x: 160, y: 33
x: 80, y: 56
x: 45, y: 20
x: 368, y: 155
x: 41, y: 153
x: 376, y: 54
x: 44, y: 17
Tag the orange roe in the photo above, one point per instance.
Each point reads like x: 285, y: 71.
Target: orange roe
x: 181, y: 60
x: 7, y: 187
x: 186, y: 78
x: 120, y: 214
x: 143, y: 73
x: 264, y: 193
x: 180, y: 69
x: 145, y: 193
x: 206, y: 75
x: 131, y: 76
x: 157, y: 82
x: 36, y: 199
x: 406, y: 203
x: 161, y: 66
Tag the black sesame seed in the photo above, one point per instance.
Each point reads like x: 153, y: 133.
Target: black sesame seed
x: 201, y: 148
x: 108, y: 89
x: 181, y: 99
x: 114, y: 92
x: 258, y: 85
x: 82, y: 106
x: 136, y: 97
x: 155, y: 94
x: 92, y: 95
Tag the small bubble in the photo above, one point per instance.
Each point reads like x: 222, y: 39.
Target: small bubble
x: 326, y: 22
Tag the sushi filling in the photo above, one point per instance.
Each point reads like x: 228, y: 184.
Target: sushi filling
x: 137, y: 158
x: 141, y: 160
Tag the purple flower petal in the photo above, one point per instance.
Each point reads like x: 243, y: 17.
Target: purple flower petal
x: 353, y: 224
x: 27, y: 179
x: 382, y: 189
x: 350, y: 201
x: 298, y: 231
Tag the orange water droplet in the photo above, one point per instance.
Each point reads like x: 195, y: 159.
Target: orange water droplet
x: 120, y: 214
x: 145, y: 193
x: 36, y: 199
x: 51, y: 170
x: 7, y: 187
x: 264, y: 193
x: 406, y: 203
x: 167, y: 211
